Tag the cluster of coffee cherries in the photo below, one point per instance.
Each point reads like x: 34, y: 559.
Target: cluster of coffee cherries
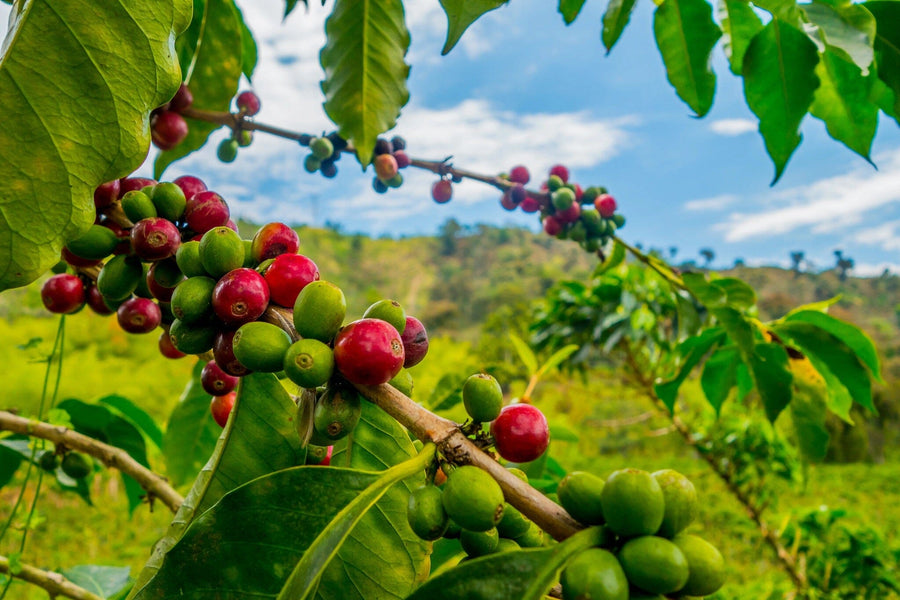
x: 646, y: 552
x: 325, y: 151
x: 167, y: 127
x: 390, y: 157
x: 248, y: 105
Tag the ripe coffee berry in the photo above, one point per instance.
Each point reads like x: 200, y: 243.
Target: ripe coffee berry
x: 223, y: 352
x: 385, y: 167
x: 552, y: 226
x: 288, y: 275
x: 168, y: 129
x: 190, y: 185
x: 215, y: 381
x: 521, y: 433
x: 240, y: 296
x: 106, y: 193
x: 274, y: 239
x: 133, y: 184
x: 415, y: 342
x: 519, y: 174
x: 182, y: 99
x: 605, y: 205
x: 507, y: 202
x: 206, y: 210
x: 63, y: 293
x: 221, y: 407
x: 248, y: 103
x: 96, y: 302
x: 402, y: 159
x: 139, y: 315
x: 560, y: 171
x: 155, y: 239
x: 368, y: 352
x: 530, y: 205
x: 167, y: 348
x: 442, y: 191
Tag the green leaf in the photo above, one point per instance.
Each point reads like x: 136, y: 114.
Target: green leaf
x: 772, y: 376
x: 615, y: 19
x: 820, y: 306
x: 851, y: 335
x: 686, y: 34
x: 215, y: 71
x: 737, y: 293
x: 744, y: 381
x: 808, y: 414
x: 520, y: 574
x: 569, y: 10
x: 847, y: 29
x: 98, y: 422
x: 883, y: 97
x: 447, y: 393
x: 707, y: 294
x: 738, y: 328
x: 136, y: 416
x: 289, y: 6
x: 249, y: 55
x: 779, y: 85
x: 739, y: 24
x: 258, y: 439
x: 784, y: 10
x: 688, y: 319
x: 103, y: 581
x: 191, y: 433
x: 461, y: 14
x: 843, y: 102
x: 526, y: 355
x: 304, y: 580
x: 562, y: 433
x: 75, y: 106
x: 719, y: 376
x: 887, y: 45
x: 821, y: 346
x: 616, y: 258
x: 365, y: 70
x: 556, y: 359
x: 691, y: 351
x: 9, y: 464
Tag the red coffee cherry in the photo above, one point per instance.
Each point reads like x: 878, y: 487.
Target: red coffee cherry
x: 442, y: 191
x: 223, y: 352
x: 182, y: 99
x: 415, y: 342
x: 206, y: 210
x: 248, y: 103
x: 368, y: 352
x: 190, y: 185
x: 96, y: 302
x: 521, y: 433
x: 552, y: 226
x: 155, y: 239
x: 560, y: 171
x: 63, y: 293
x: 241, y: 296
x: 131, y: 184
x: 221, y: 406
x: 519, y: 174
x: 288, y: 275
x: 605, y: 205
x: 168, y: 129
x: 167, y: 348
x: 139, y: 315
x: 215, y: 381
x: 274, y: 239
x: 106, y: 193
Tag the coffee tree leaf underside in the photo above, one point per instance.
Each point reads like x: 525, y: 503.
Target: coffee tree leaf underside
x: 685, y: 35
x: 53, y: 153
x: 213, y: 48
x: 259, y: 438
x: 461, y: 14
x: 365, y: 70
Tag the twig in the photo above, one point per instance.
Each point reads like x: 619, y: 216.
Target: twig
x: 155, y: 485
x: 54, y: 583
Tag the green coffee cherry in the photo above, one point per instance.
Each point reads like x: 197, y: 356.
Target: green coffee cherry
x: 473, y: 499
x: 221, y: 251
x: 188, y: 259
x: 169, y: 200
x: 119, y: 277
x: 249, y: 260
x: 244, y: 138
x: 513, y: 524
x: 319, y: 311
x: 99, y: 242
x: 311, y: 164
x: 518, y: 473
x: 479, y: 543
x: 76, y: 465
x: 563, y: 199
x: 390, y: 311
x: 261, y: 346
x: 425, y: 513
x: 705, y: 565
x: 138, y: 205
x: 533, y: 538
x: 506, y: 545
x: 48, y: 460
x: 579, y: 493
x: 143, y: 289
x: 453, y: 531
x: 633, y: 503
x: 321, y: 148
x: 680, y: 502
x: 192, y: 300
x: 192, y: 338
x: 594, y: 573
x: 166, y: 273
x: 309, y: 363
x: 227, y: 150
x: 654, y: 564
x: 336, y: 415
x: 482, y: 397
x: 554, y: 182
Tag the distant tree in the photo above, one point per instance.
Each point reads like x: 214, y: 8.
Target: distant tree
x: 448, y: 234
x: 673, y: 250
x: 843, y: 265
x: 739, y: 262
x: 708, y: 256
x: 796, y: 260
x: 333, y: 226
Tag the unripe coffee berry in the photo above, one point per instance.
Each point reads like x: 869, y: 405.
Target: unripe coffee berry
x: 473, y: 499
x: 482, y: 397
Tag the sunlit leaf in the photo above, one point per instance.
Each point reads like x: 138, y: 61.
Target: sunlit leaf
x: 739, y: 24
x: 461, y: 14
x: 615, y: 19
x: 720, y: 376
x: 569, y: 10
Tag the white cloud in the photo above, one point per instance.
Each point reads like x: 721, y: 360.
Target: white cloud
x: 874, y: 269
x: 886, y: 235
x: 823, y: 206
x: 711, y: 204
x: 732, y: 127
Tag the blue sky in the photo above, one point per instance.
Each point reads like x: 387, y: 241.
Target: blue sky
x: 521, y: 87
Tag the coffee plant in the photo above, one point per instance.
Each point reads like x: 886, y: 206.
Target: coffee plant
x: 327, y: 480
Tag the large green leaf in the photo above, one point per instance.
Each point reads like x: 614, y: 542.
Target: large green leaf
x: 808, y: 413
x: 304, y: 580
x: 843, y: 102
x: 100, y: 423
x: 259, y: 438
x: 10, y: 460
x: 520, y: 574
x: 461, y: 14
x: 76, y: 101
x: 191, y: 433
x: 135, y: 415
x: 779, y: 84
x: 106, y: 582
x: 851, y: 335
x: 737, y: 293
x: 706, y: 293
x: 739, y: 24
x: 840, y: 360
x: 691, y: 351
x: 720, y: 376
x: 216, y: 63
x: 847, y: 29
x: 615, y: 19
x: 686, y: 34
x: 772, y: 376
x: 382, y: 558
x: 365, y: 70
x: 738, y: 328
x: 447, y: 393
x: 569, y: 10
x: 249, y: 54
